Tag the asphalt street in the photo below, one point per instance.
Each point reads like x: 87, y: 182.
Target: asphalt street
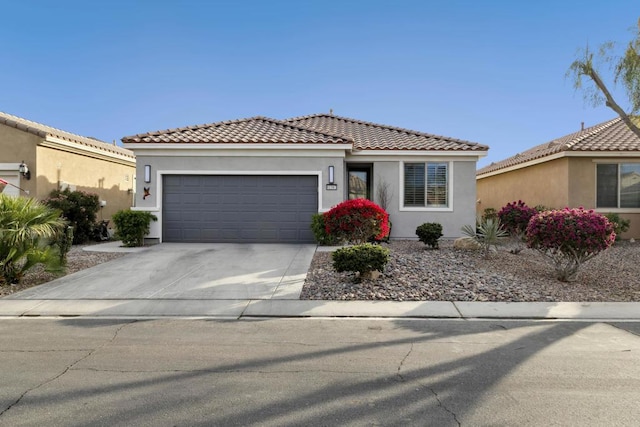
x: 317, y: 372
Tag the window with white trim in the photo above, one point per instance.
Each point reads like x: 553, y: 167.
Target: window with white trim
x: 618, y: 185
x: 426, y: 185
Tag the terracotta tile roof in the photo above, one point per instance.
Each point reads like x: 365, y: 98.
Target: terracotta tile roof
x: 372, y: 136
x: 254, y: 130
x: 613, y: 135
x: 43, y: 131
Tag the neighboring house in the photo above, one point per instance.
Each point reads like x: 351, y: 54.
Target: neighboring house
x: 56, y: 159
x: 596, y: 168
x: 261, y: 180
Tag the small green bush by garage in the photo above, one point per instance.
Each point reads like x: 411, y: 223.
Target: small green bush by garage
x: 319, y: 229
x: 132, y: 226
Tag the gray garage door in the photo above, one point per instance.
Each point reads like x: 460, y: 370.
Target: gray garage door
x: 232, y: 208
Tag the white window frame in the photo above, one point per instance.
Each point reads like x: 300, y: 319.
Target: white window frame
x: 448, y: 208
x: 617, y: 208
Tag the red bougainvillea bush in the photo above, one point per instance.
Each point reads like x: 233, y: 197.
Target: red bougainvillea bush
x: 357, y: 221
x: 569, y: 237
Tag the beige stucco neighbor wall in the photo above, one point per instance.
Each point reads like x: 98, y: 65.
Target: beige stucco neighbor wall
x: 112, y: 180
x: 541, y: 184
x: 16, y: 146
x: 583, y: 191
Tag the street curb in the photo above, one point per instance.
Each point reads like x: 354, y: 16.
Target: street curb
x: 273, y: 308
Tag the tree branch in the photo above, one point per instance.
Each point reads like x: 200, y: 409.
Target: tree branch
x: 609, y: 101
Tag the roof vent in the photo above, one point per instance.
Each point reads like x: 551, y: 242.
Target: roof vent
x: 581, y: 126
x: 331, y: 111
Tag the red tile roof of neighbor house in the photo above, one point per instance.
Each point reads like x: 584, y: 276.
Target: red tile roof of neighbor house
x: 373, y: 136
x: 254, y: 130
x: 318, y: 128
x: 43, y: 131
x: 613, y: 135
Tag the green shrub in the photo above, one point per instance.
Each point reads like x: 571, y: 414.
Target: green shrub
x: 489, y: 213
x: 27, y: 228
x: 569, y: 238
x: 319, y: 230
x: 132, y: 226
x: 361, y: 258
x: 357, y: 221
x: 487, y: 233
x: 79, y: 208
x: 63, y: 242
x: 620, y: 225
x: 429, y: 233
x: 542, y: 208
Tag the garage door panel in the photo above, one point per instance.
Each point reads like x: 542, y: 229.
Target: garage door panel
x: 228, y: 208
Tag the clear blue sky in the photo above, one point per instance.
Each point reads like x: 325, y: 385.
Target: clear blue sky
x: 487, y: 71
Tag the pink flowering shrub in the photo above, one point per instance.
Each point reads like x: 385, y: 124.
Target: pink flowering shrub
x: 569, y: 237
x: 514, y: 218
x: 357, y: 221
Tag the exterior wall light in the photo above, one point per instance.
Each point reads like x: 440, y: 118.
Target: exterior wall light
x: 147, y: 173
x: 332, y: 175
x: 24, y: 171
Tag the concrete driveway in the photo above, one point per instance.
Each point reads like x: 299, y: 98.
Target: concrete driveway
x: 188, y: 272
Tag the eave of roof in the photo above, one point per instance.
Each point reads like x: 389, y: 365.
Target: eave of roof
x: 48, y: 132
x: 612, y: 136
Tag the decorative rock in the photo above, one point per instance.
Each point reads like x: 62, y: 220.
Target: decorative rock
x: 464, y: 243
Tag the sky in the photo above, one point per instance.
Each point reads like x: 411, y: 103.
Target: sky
x: 490, y: 71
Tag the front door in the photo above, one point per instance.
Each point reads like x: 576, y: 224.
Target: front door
x: 359, y: 178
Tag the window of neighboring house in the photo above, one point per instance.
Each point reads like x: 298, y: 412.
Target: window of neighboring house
x: 426, y: 185
x: 618, y: 185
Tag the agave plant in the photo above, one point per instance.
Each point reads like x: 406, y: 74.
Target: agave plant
x: 488, y: 232
x: 26, y: 229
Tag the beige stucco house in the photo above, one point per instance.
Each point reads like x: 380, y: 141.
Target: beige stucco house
x: 262, y: 179
x: 596, y: 168
x: 56, y: 159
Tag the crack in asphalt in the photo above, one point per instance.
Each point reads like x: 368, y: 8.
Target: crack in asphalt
x: 402, y: 363
x: 65, y: 370
x: 440, y: 404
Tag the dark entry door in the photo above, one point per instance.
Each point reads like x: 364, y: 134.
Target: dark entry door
x: 359, y: 176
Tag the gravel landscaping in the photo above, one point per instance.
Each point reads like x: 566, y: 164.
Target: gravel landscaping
x: 415, y: 273
x: 77, y: 259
